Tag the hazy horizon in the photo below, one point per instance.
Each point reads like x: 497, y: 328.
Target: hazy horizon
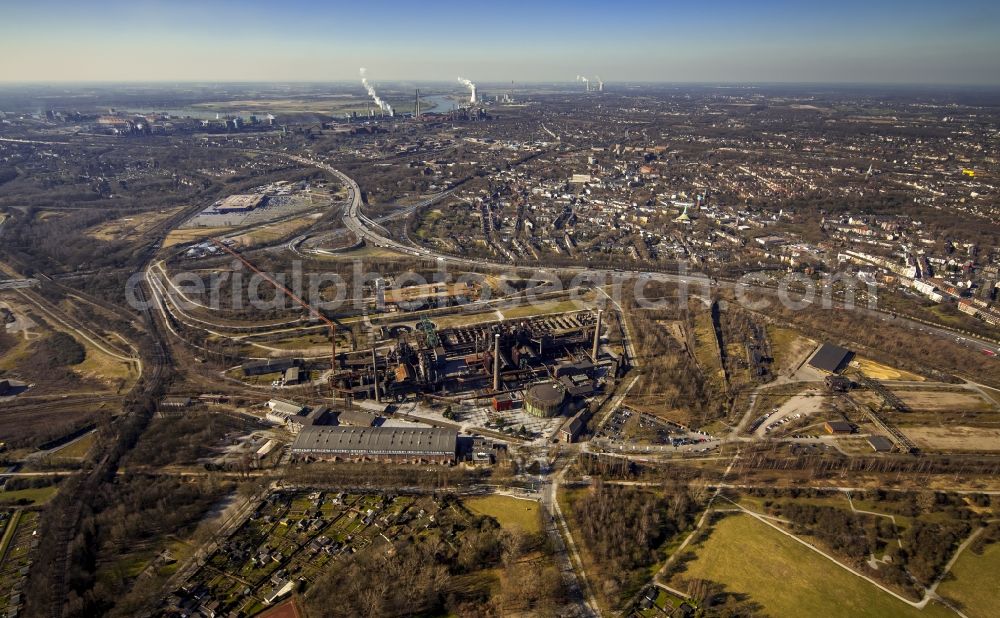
x: 502, y: 83
x: 889, y: 43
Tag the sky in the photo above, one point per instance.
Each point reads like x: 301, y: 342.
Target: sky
x: 748, y: 41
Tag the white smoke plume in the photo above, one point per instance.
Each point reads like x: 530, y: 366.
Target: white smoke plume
x: 472, y: 89
x: 581, y: 78
x: 600, y: 84
x: 382, y: 105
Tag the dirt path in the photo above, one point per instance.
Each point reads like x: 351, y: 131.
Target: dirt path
x: 563, y: 540
x: 9, y: 534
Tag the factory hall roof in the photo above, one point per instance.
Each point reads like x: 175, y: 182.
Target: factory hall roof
x: 417, y: 440
x: 279, y: 406
x: 359, y: 418
x: 831, y: 358
x: 880, y: 444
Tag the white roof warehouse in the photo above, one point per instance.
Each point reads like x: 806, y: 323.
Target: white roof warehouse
x: 394, y: 444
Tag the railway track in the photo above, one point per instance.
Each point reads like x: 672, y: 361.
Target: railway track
x: 55, y: 404
x: 77, y: 489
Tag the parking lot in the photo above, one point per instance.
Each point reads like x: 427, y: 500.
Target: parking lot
x: 275, y: 207
x: 799, y: 406
x: 627, y: 426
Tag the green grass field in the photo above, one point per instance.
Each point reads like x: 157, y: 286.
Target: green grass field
x: 973, y: 582
x: 40, y: 495
x: 8, y: 533
x: 79, y: 448
x: 706, y: 350
x: 509, y: 512
x: 788, y: 579
x: 533, y: 309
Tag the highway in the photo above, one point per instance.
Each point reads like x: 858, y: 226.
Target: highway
x: 356, y: 221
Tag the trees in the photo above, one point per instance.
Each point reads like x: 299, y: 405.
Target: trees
x: 928, y: 546
x: 853, y: 535
x: 624, y: 527
x: 671, y: 379
x: 60, y: 349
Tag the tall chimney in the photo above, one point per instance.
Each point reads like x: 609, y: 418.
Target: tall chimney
x: 496, y: 362
x: 597, y: 335
x: 375, y: 373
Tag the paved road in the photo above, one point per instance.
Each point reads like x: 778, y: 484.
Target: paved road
x: 566, y: 553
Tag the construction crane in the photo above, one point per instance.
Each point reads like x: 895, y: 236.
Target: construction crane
x: 281, y: 288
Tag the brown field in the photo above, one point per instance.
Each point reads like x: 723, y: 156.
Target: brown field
x: 286, y: 609
x: 38, y: 423
x: 99, y: 370
x: 788, y: 346
x: 271, y: 232
x: 457, y: 319
x: 129, y: 227
x: 178, y: 237
x: 942, y: 400
x: 706, y: 349
x: 115, y: 373
x: 676, y: 330
x: 955, y: 438
x: 883, y: 372
x: 430, y: 290
x: 992, y: 394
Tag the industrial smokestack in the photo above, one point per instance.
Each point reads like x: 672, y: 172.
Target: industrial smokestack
x: 472, y: 89
x: 378, y: 398
x: 496, y: 362
x: 382, y: 105
x: 586, y: 82
x: 600, y: 84
x: 597, y: 336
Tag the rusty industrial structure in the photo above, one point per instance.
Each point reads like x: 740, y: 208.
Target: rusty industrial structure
x: 481, y: 360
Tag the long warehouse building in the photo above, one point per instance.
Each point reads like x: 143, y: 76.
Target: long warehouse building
x: 385, y: 444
